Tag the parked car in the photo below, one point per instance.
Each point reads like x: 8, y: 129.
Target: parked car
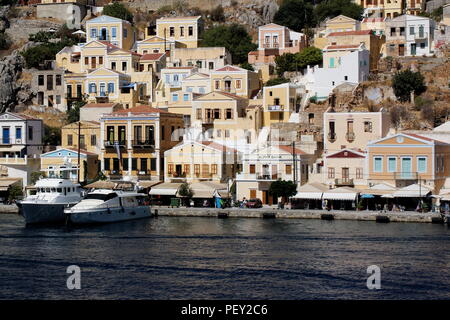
x: 254, y: 203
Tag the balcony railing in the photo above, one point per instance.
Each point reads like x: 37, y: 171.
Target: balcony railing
x: 421, y: 35
x: 10, y: 141
x: 276, y: 107
x: 113, y: 143
x: 207, y: 120
x: 115, y: 174
x: 350, y: 136
x: 143, y: 143
x: 405, y: 175
x: 331, y: 136
x: 266, y: 176
x: 343, y: 182
x: 144, y: 174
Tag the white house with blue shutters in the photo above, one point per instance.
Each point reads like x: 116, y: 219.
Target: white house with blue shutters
x: 20, y: 145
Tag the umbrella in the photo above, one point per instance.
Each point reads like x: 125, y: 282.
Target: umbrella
x: 367, y: 196
x: 79, y: 32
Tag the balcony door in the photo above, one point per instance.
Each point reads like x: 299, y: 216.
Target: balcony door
x: 406, y: 172
x: 345, y: 174
x: 122, y: 135
x: 102, y: 90
x: 138, y: 134
x: 149, y: 133
x: 413, y: 49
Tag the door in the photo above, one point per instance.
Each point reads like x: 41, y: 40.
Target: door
x: 102, y: 90
x: 78, y: 91
x: 274, y: 172
x: 252, y: 193
x: 122, y: 135
x: 5, y: 139
x: 406, y: 168
x: 413, y: 49
x: 345, y: 174
x: 401, y: 49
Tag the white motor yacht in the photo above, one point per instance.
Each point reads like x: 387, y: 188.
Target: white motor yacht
x: 52, y: 196
x: 104, y: 206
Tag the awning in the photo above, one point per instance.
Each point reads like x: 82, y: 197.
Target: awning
x: 130, y: 85
x: 206, y: 189
x: 312, y: 191
x: 6, y: 183
x: 343, y: 193
x: 367, y: 196
x: 412, y: 191
x: 148, y: 183
x: 100, y: 185
x: 165, y: 189
x: 12, y: 149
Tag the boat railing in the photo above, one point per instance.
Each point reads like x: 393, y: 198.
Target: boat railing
x: 104, y: 206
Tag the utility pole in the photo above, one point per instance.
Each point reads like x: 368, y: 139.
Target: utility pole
x: 79, y: 148
x: 294, y: 162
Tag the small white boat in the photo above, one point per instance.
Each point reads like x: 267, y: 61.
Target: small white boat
x: 104, y: 206
x: 53, y: 195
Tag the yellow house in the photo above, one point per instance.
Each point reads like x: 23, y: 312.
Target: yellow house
x: 377, y: 25
x: 155, y: 44
x: 89, y: 133
x: 75, y: 89
x: 206, y: 59
x: 194, y: 161
x: 407, y: 158
x: 346, y: 167
x: 133, y: 142
x: 226, y: 118
x: 340, y: 23
x: 186, y: 30
x: 235, y: 80
x: 279, y: 102
x: 113, y: 30
x: 64, y: 162
x: 69, y: 59
x: 384, y: 8
x: 171, y: 80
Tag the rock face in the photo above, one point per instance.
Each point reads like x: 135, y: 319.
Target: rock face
x: 4, y: 23
x: 12, y: 91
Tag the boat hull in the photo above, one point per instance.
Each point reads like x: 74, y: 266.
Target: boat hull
x: 43, y: 213
x: 98, y: 216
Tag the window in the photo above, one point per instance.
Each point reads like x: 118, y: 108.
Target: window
x: 191, y: 31
x: 93, y: 33
x: 18, y: 133
x: 252, y: 168
x: 359, y: 173
x: 58, y: 79
x: 92, y: 88
x: 288, y: 169
x: 153, y: 164
x: 422, y: 45
x: 111, y: 87
x: 392, y: 164
x: 41, y: 80
x: 113, y: 65
x: 216, y: 114
x: 113, y: 32
x: 181, y: 31
x: 49, y: 82
x: 421, y: 164
x: 219, y: 133
x: 392, y: 32
x: 227, y: 133
x: 69, y: 140
x: 345, y: 78
x: 411, y: 30
x: 134, y: 164
x: 86, y: 60
x: 30, y: 133
x: 211, y: 65
x: 162, y: 132
x: 125, y: 164
x: 199, y: 114
x: 196, y: 169
x: 214, y: 168
x: 144, y: 163
x: 107, y: 164
x: 124, y: 66
x: 171, y: 31
x: 330, y: 173
x: 125, y: 33
x: 229, y: 114
x: 187, y: 169
x: 93, y: 140
x: 367, y: 126
x: 175, y: 97
x: 185, y: 97
x: 238, y: 84
x: 377, y: 164
x: 331, y: 62
x: 100, y: 60
x: 58, y: 99
x: 217, y: 84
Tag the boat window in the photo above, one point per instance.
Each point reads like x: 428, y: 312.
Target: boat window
x: 99, y: 196
x: 53, y: 189
x: 59, y: 190
x: 47, y: 190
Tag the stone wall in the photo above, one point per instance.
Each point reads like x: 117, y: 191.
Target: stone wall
x: 70, y: 13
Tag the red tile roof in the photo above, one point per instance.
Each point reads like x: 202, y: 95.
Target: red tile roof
x: 289, y: 150
x: 343, y: 46
x: 152, y: 56
x: 253, y: 53
x: 350, y: 33
x: 218, y: 146
x: 231, y: 95
x: 99, y: 105
x: 141, y: 109
x: 228, y: 68
x: 373, y: 19
x: 423, y: 138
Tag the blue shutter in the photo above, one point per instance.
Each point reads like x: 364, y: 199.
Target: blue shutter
x: 422, y: 164
x: 114, y: 32
x: 392, y: 164
x: 111, y: 87
x: 377, y: 164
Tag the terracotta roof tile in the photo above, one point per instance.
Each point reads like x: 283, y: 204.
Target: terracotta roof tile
x: 289, y: 149
x: 99, y: 105
x: 350, y: 33
x: 141, y: 109
x: 152, y: 56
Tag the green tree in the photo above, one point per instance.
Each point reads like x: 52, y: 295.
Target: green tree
x: 295, y: 14
x: 52, y: 136
x: 333, y: 8
x: 247, y: 66
x: 308, y: 57
x: 73, y: 114
x: 282, y: 188
x: 185, y: 192
x: 35, y: 176
x: 217, y: 14
x: 405, y: 82
x: 46, y: 51
x: 118, y: 10
x: 233, y: 37
x: 276, y: 81
x: 285, y: 62
x: 14, y: 193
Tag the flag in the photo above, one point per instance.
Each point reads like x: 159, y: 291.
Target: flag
x: 117, y: 147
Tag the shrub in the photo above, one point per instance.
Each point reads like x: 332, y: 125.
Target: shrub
x: 118, y: 10
x: 295, y: 14
x: 247, y: 66
x: 217, y: 14
x: 276, y: 81
x: 405, y: 82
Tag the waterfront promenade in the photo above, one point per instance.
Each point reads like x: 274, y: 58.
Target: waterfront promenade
x: 270, y: 212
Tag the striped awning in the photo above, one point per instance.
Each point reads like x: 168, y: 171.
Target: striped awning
x: 343, y: 193
x: 308, y: 195
x: 165, y: 189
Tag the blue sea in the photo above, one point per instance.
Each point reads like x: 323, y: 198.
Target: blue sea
x: 209, y: 258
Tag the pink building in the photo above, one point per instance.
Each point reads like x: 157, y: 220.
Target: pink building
x: 274, y: 40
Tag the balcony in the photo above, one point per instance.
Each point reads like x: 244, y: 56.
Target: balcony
x: 266, y: 176
x: 350, y: 136
x: 275, y: 107
x: 405, y: 175
x: 115, y: 174
x: 343, y: 182
x: 207, y: 121
x: 332, y: 136
x: 143, y: 143
x: 114, y: 143
x: 271, y: 45
x: 421, y: 36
